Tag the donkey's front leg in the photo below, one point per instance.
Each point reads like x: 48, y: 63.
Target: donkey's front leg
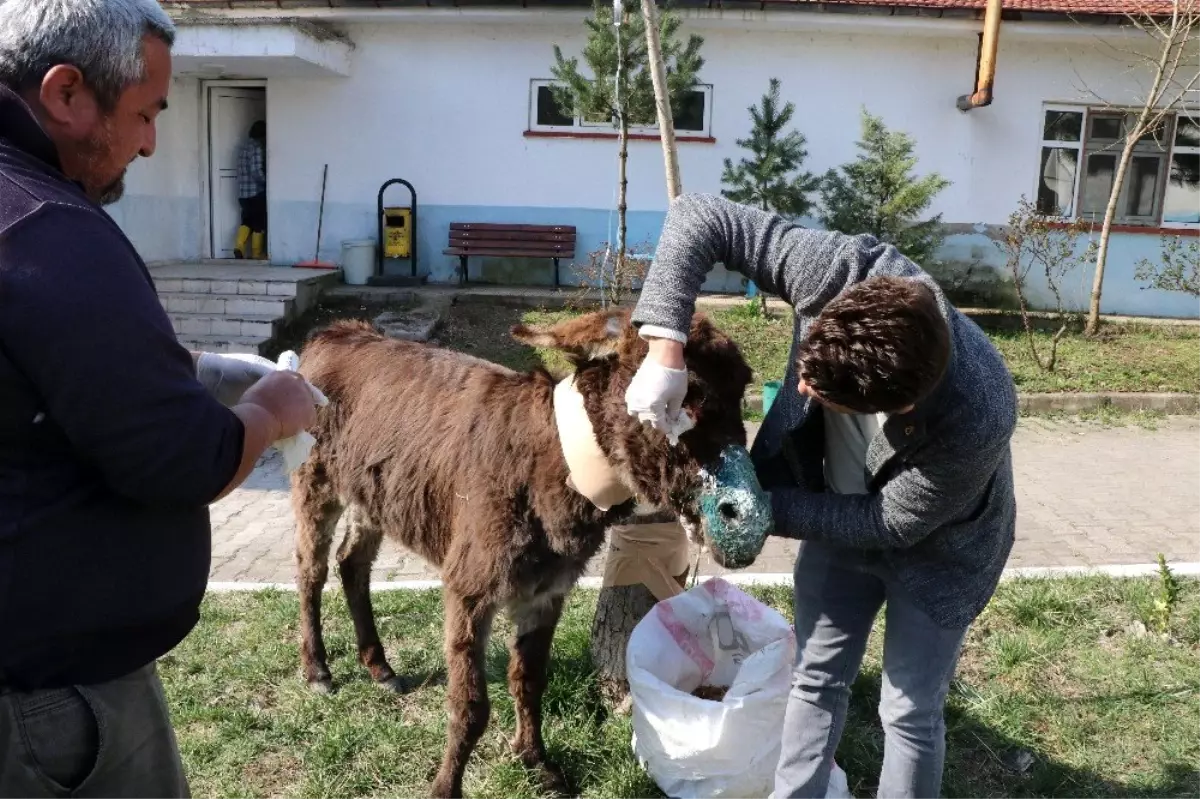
x: 528, y: 669
x: 317, y: 513
x: 468, y: 624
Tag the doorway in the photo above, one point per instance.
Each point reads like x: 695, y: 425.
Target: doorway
x: 232, y: 108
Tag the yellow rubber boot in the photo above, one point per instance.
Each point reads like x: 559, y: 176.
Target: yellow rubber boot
x: 239, y: 248
x: 258, y: 243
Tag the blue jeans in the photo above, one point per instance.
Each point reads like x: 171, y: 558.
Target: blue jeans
x: 110, y: 739
x: 838, y: 593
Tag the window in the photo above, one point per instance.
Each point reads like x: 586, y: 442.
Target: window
x: 1062, y: 141
x: 1080, y: 152
x: 692, y: 119
x: 1181, y: 201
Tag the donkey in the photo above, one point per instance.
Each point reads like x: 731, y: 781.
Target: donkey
x: 465, y: 463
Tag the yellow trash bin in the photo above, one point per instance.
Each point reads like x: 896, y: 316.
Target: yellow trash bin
x: 397, y: 232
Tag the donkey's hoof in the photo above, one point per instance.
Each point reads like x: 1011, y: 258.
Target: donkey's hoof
x: 395, y: 685
x: 554, y: 781
x: 322, y: 686
x: 549, y: 775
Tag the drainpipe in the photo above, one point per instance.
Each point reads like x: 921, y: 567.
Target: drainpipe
x: 986, y: 63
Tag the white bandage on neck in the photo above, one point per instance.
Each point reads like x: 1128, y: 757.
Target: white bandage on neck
x: 590, y: 472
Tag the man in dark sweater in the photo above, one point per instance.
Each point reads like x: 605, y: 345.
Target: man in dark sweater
x: 887, y: 454
x: 112, y: 438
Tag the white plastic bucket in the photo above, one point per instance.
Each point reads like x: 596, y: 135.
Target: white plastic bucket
x: 358, y: 261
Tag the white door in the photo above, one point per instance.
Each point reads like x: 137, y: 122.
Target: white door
x: 231, y: 112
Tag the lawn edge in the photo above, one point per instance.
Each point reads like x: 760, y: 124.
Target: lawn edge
x: 1181, y: 404
x: 1181, y: 569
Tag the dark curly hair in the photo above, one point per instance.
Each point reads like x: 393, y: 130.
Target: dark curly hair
x: 881, y: 346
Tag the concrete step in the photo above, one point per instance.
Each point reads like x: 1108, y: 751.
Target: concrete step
x: 216, y: 343
x: 222, y: 285
x: 222, y: 304
x: 204, y: 324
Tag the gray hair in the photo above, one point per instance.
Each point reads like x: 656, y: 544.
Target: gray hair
x: 102, y: 38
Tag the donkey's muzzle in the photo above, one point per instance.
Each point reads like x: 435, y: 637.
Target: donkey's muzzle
x: 735, y: 510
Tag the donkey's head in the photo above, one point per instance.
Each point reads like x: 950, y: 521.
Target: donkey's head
x: 706, y: 479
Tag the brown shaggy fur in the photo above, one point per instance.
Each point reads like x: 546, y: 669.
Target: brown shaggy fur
x: 458, y: 460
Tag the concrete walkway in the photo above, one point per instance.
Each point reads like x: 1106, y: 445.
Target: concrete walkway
x: 1087, y: 495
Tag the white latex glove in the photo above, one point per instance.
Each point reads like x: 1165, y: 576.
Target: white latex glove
x: 655, y: 396
x: 227, y: 377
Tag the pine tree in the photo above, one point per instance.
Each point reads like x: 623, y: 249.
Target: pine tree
x: 769, y: 180
x: 620, y: 88
x: 878, y: 193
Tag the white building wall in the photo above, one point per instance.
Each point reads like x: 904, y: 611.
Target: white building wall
x: 445, y: 104
x: 456, y: 131
x: 161, y: 207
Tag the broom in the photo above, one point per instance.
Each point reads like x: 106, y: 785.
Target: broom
x: 316, y: 263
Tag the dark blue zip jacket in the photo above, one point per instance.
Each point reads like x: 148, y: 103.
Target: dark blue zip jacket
x: 110, y: 450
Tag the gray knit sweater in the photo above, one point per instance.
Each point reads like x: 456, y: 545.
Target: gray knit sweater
x: 940, y: 506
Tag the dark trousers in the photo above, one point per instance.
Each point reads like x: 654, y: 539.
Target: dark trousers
x: 254, y: 212
x: 112, y: 739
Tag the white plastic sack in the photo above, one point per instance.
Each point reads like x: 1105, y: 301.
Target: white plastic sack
x: 713, y: 634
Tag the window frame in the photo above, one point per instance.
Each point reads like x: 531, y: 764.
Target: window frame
x: 1077, y: 146
x: 607, y: 129
x: 1174, y: 148
x: 1098, y: 146
x: 1084, y: 148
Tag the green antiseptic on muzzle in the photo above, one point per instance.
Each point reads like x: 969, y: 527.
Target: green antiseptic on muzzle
x: 735, y: 509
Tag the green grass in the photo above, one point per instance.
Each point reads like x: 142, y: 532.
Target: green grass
x: 1055, y: 670
x: 483, y: 331
x: 764, y: 340
x: 1141, y: 360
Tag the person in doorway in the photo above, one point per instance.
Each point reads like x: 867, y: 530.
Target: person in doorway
x: 887, y: 454
x: 252, y: 193
x: 114, y: 439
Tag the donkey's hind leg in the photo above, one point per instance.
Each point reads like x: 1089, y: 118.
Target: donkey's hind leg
x: 355, y: 556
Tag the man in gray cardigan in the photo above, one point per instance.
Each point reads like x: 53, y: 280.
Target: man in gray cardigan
x: 887, y: 454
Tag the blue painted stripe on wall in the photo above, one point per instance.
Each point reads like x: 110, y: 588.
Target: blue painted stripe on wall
x: 293, y: 227
x: 162, y: 228
x: 1123, y: 293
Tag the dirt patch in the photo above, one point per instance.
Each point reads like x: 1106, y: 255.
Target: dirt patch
x: 479, y: 330
x: 483, y: 331
x: 273, y: 774
x: 296, y: 333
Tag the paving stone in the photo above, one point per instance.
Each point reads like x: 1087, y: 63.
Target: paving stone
x: 1086, y: 496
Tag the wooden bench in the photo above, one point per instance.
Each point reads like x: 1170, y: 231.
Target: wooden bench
x: 510, y: 241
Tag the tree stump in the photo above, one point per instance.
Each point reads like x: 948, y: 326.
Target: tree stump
x: 618, y: 611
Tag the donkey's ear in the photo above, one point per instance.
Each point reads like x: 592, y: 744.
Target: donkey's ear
x: 591, y: 337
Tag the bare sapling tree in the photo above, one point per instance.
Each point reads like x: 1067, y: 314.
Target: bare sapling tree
x: 599, y: 278
x: 621, y: 88
x: 1169, y: 65
x: 620, y: 607
x: 662, y: 99
x: 1031, y: 242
